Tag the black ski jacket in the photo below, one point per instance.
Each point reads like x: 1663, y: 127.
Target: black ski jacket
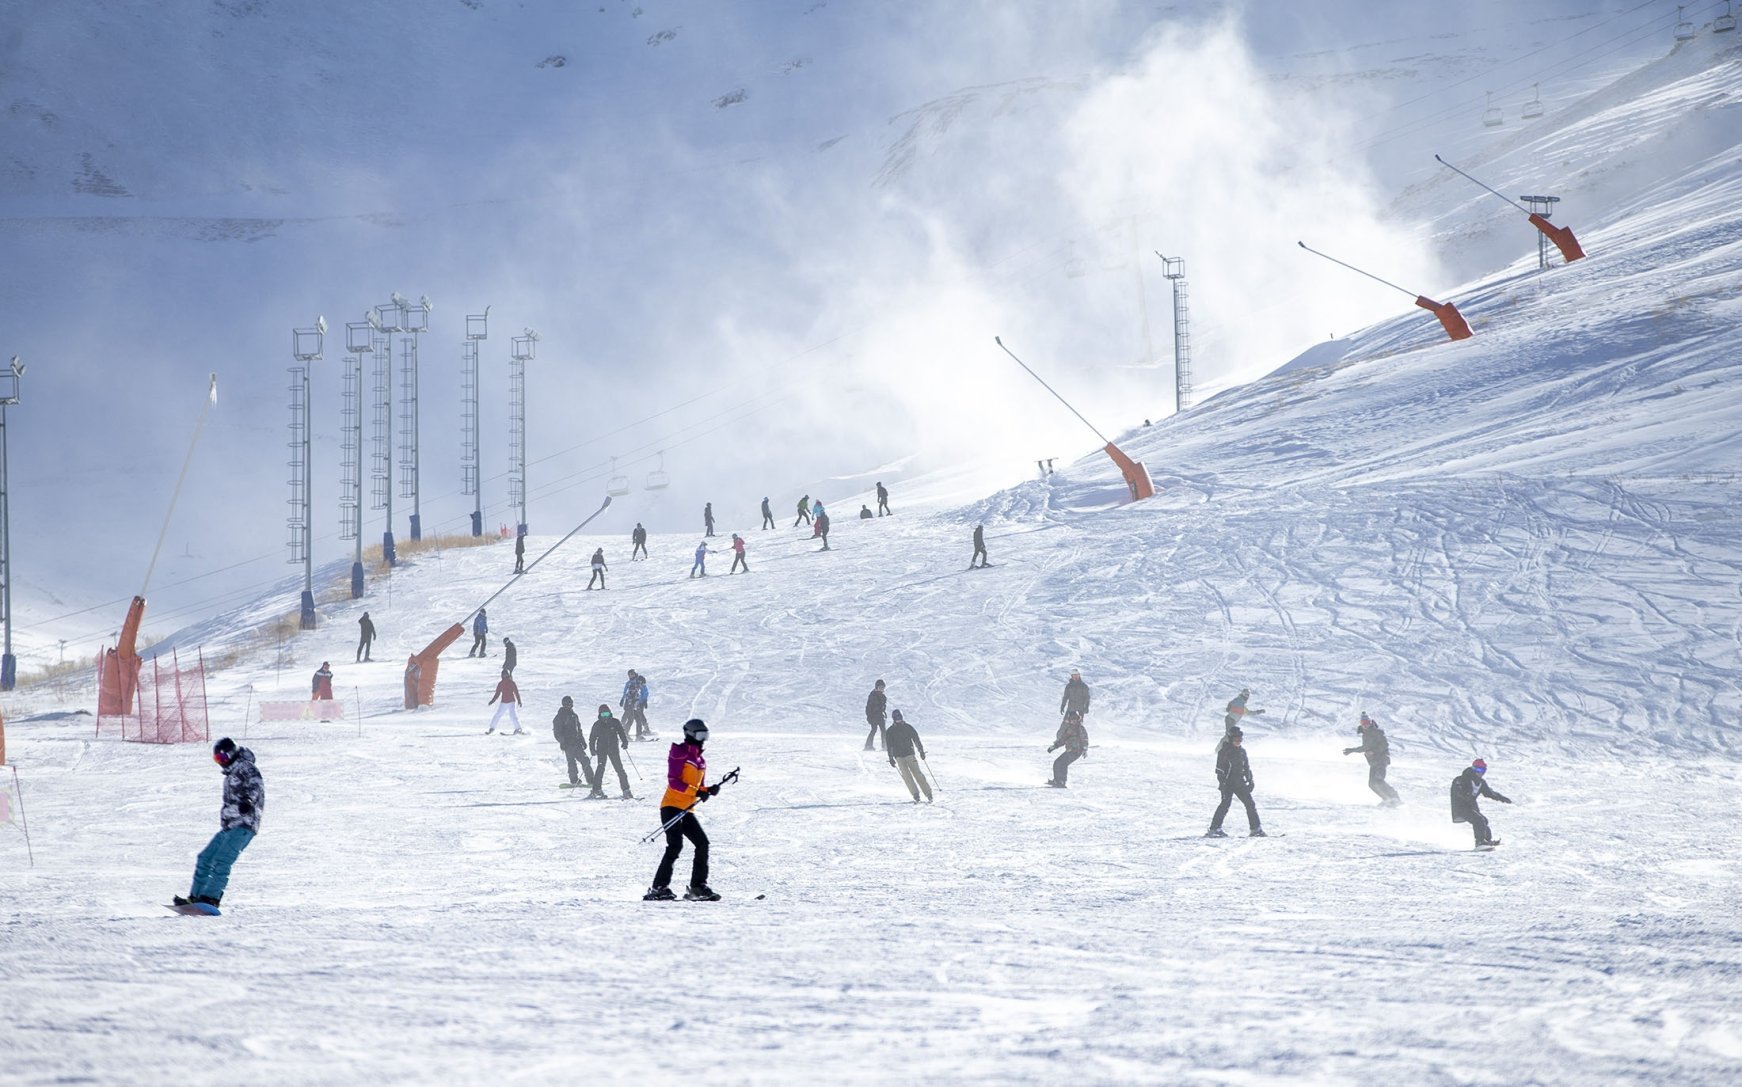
x: 1072, y: 736
x: 1374, y: 745
x: 605, y: 729
x: 1076, y: 697
x: 1233, y: 772
x: 509, y: 655
x: 639, y: 536
x: 1466, y: 787
x: 900, y: 740
x: 566, y: 727
x: 875, y: 707
x: 244, y: 793
x: 366, y: 627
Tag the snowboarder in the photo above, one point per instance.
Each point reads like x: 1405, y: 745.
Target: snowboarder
x: 686, y: 772
x: 1231, y: 722
x: 882, y: 499
x: 1076, y: 696
x: 979, y: 558
x: 822, y: 526
x: 480, y: 627
x: 510, y: 655
x: 708, y: 518
x: 323, y: 683
x: 365, y: 637
x: 639, y: 539
x: 767, y: 514
x: 238, y: 822
x: 1466, y: 787
x: 900, y: 741
x: 566, y: 727
x: 1234, y: 778
x: 864, y: 512
x: 607, y: 741
x: 1378, y: 751
x: 738, y: 555
x: 875, y: 705
x: 1074, y: 738
x: 510, y: 699
x: 519, y: 550
x: 599, y: 568
x: 701, y: 563
x: 804, y: 511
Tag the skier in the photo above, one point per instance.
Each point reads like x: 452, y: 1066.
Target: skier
x: 708, y: 518
x: 882, y: 499
x: 606, y: 741
x: 1076, y: 696
x: 1378, y: 751
x: 1466, y: 787
x: 639, y: 539
x: 519, y: 551
x: 634, y: 705
x: 864, y: 512
x: 686, y: 770
x: 510, y: 696
x: 599, y: 568
x: 767, y: 514
x: 365, y: 637
x: 566, y: 727
x: 510, y: 655
x: 804, y: 511
x: 816, y: 508
x: 323, y: 683
x: 480, y: 627
x: 822, y: 526
x: 701, y: 562
x: 875, y: 704
x: 1234, y: 777
x: 738, y: 555
x: 901, y: 740
x: 979, y: 548
x: 238, y: 822
x: 1074, y: 738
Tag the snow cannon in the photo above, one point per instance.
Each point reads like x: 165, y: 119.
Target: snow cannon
x: 421, y: 668
x: 1136, y: 475
x: 1561, y: 236
x: 119, y: 676
x: 1450, y: 319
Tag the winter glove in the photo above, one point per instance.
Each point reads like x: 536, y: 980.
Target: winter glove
x: 1502, y: 800
x: 712, y: 790
x: 703, y: 794
x: 892, y: 762
x: 1350, y: 750
x: 1051, y: 749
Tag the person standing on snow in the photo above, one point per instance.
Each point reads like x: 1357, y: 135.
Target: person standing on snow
x: 510, y: 699
x: 900, y: 741
x: 822, y: 526
x: 634, y: 705
x: 767, y: 514
x: 1378, y: 751
x: 519, y: 551
x: 708, y: 518
x: 1076, y: 696
x: 1234, y: 778
x: 701, y: 563
x: 804, y: 511
x: 639, y: 539
x: 480, y: 627
x: 510, y: 655
x: 738, y: 555
x: 1074, y: 738
x: 566, y: 727
x: 1231, y: 722
x: 599, y: 568
x: 816, y: 508
x: 323, y: 683
x: 238, y: 823
x: 685, y: 775
x: 1466, y: 787
x: 607, y: 740
x: 876, y: 704
x: 979, y: 558
x: 365, y: 637
x: 882, y: 499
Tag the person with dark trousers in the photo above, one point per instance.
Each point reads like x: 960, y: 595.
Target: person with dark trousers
x: 480, y: 627
x: 639, y: 539
x: 900, y: 741
x: 1237, y: 710
x: 323, y: 683
x: 566, y: 727
x: 700, y: 567
x: 686, y: 775
x: 882, y: 499
x: 365, y: 637
x: 607, y: 741
x: 1466, y: 787
x: 738, y: 561
x: 876, y: 704
x: 980, y: 558
x: 1076, y: 696
x: 822, y: 527
x: 519, y: 550
x: 1234, y: 778
x: 1074, y: 738
x: 767, y: 514
x: 1378, y: 751
x: 634, y: 705
x: 804, y: 511
x: 864, y: 512
x: 238, y: 823
x: 510, y: 655
x: 599, y: 568
x: 708, y: 518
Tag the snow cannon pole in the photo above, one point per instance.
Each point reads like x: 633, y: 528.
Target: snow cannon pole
x: 1450, y: 319
x: 529, y: 566
x: 1561, y: 236
x: 1136, y: 475
x: 211, y: 398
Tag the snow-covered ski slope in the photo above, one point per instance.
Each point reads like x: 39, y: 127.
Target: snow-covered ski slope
x: 1523, y: 546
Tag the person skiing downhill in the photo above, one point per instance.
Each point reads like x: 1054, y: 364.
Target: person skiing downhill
x: 1231, y: 722
x: 1076, y: 696
x: 686, y: 776
x: 519, y: 553
x: 566, y: 727
x: 701, y: 562
x: 238, y: 823
x: 323, y: 683
x: 509, y: 695
x: 767, y: 514
x: 480, y: 627
x: 365, y: 637
x: 607, y: 741
x: 804, y: 511
x: 634, y: 705
x: 1378, y: 751
x: 599, y: 568
x: 708, y: 518
x: 1466, y: 788
x: 882, y: 499
x: 900, y: 741
x: 1074, y: 738
x: 738, y: 560
x: 639, y: 539
x: 979, y: 558
x: 875, y: 706
x: 1234, y: 778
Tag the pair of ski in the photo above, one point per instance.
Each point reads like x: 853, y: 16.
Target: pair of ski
x: 595, y: 796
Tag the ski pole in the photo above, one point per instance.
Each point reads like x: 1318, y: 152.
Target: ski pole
x: 673, y: 821
x: 23, y: 820
x: 632, y: 765
x: 932, y: 773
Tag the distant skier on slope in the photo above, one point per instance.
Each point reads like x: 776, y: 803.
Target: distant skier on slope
x: 767, y: 514
x: 1378, y: 751
x: 322, y: 685
x: 639, y: 539
x: 738, y: 560
x: 607, y: 742
x: 634, y: 705
x: 566, y: 727
x: 1236, y: 712
x: 599, y: 568
x: 979, y: 558
x: 804, y: 511
x: 822, y: 526
x: 882, y: 499
x: 238, y: 822
x: 864, y: 512
x: 900, y: 741
x: 1076, y: 696
x: 701, y: 563
x: 1466, y: 788
x: 1234, y: 778
x: 519, y: 553
x: 708, y: 518
x: 686, y: 776
x: 365, y: 637
x: 1074, y: 738
x: 480, y: 627
x: 509, y: 695
x: 876, y: 704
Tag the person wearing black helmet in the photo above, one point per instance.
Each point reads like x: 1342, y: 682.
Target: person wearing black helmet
x: 607, y: 740
x: 238, y: 822
x: 686, y: 786
x: 1234, y: 778
x: 566, y: 727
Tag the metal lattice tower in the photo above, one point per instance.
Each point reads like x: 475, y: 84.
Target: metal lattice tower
x: 306, y: 346
x: 387, y: 320
x: 8, y: 662
x: 525, y: 348
x: 1182, y: 332
x: 471, y: 461
x: 1543, y: 206
x: 359, y: 341
x: 413, y: 319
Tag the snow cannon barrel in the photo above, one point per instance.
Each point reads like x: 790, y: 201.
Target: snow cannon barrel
x: 119, y: 677
x: 1136, y: 475
x: 1453, y: 321
x: 421, y: 668
x: 1561, y: 236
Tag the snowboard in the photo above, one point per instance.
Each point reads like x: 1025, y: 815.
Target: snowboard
x: 1489, y: 848
x: 194, y: 909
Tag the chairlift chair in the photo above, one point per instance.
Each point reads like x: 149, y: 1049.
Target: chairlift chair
x: 657, y: 480
x: 1684, y: 30
x: 1724, y: 22
x: 1533, y: 108
x: 1076, y: 268
x: 618, y: 486
x: 1492, y: 117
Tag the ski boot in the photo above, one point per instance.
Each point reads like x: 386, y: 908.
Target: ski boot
x: 1257, y: 832
x: 1215, y: 832
x: 702, y: 893
x: 658, y: 894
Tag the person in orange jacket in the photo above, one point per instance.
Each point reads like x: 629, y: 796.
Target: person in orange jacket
x: 510, y: 696
x: 686, y: 776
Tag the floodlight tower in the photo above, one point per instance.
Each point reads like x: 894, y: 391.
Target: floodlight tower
x: 413, y: 319
x: 359, y: 341
x: 386, y: 320
x: 525, y: 348
x: 1175, y: 270
x: 306, y: 345
x: 1543, y: 206
x: 471, y: 465
x: 8, y: 662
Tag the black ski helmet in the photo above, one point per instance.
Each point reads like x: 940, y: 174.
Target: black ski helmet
x: 224, y: 751
x: 695, y: 730
x: 567, y: 701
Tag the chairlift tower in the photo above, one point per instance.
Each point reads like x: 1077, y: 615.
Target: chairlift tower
x: 1543, y: 206
x: 359, y: 341
x: 8, y: 662
x: 525, y: 349
x: 414, y: 319
x: 306, y: 345
x: 386, y: 321
x: 1174, y: 268
x: 471, y: 464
